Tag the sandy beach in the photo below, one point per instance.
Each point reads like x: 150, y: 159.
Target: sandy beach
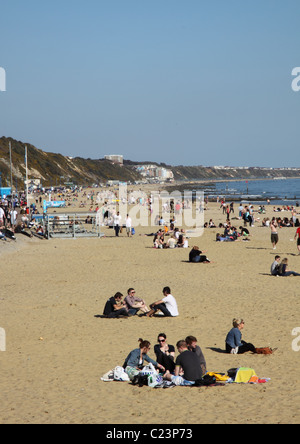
x: 57, y: 349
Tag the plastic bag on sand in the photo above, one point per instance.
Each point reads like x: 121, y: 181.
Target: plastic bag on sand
x: 120, y: 374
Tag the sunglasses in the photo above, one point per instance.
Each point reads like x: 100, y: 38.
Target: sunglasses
x: 161, y: 340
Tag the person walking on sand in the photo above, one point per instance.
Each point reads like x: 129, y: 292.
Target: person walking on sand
x: 128, y: 226
x: 298, y: 240
x: 274, y: 233
x: 117, y: 223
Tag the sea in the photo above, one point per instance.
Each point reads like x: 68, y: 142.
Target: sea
x: 278, y: 191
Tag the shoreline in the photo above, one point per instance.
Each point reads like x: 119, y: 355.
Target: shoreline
x: 233, y: 197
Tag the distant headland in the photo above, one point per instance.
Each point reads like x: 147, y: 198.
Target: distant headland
x: 52, y: 169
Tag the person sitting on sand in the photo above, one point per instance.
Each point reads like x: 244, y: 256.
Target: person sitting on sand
x: 197, y: 256
x: 188, y: 369
x: 158, y: 241
x: 275, y: 266
x: 134, y: 362
x: 134, y: 304
x: 191, y: 342
x: 244, y: 231
x: 165, y: 353
x: 171, y: 243
x: 182, y: 240
x: 114, y: 307
x: 167, y: 305
x: 234, y: 343
x: 283, y: 270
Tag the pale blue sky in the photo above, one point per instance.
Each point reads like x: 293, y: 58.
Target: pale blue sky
x: 183, y: 82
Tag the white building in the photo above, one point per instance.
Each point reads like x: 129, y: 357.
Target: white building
x: 115, y: 158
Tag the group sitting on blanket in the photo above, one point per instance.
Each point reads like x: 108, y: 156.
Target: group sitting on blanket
x: 185, y: 370
x: 189, y: 367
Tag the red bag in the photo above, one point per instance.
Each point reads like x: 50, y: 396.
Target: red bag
x: 264, y: 351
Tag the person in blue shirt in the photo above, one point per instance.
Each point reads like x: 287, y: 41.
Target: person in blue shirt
x: 234, y: 343
x: 134, y: 362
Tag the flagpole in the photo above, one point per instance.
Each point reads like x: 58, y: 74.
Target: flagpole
x: 11, y: 182
x: 26, y: 175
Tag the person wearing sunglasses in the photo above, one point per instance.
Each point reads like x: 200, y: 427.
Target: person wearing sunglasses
x: 134, y: 304
x: 165, y: 353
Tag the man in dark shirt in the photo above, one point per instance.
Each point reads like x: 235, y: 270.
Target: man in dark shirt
x: 188, y: 363
x: 114, y: 307
x: 191, y: 342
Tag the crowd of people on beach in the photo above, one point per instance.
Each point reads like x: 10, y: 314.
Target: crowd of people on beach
x: 190, y: 365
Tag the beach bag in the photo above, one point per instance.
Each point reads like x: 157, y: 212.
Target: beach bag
x: 264, y: 351
x: 155, y: 380
x: 205, y: 381
x: 120, y: 374
x: 232, y: 373
x: 140, y: 380
x: 148, y: 370
x: 132, y: 231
